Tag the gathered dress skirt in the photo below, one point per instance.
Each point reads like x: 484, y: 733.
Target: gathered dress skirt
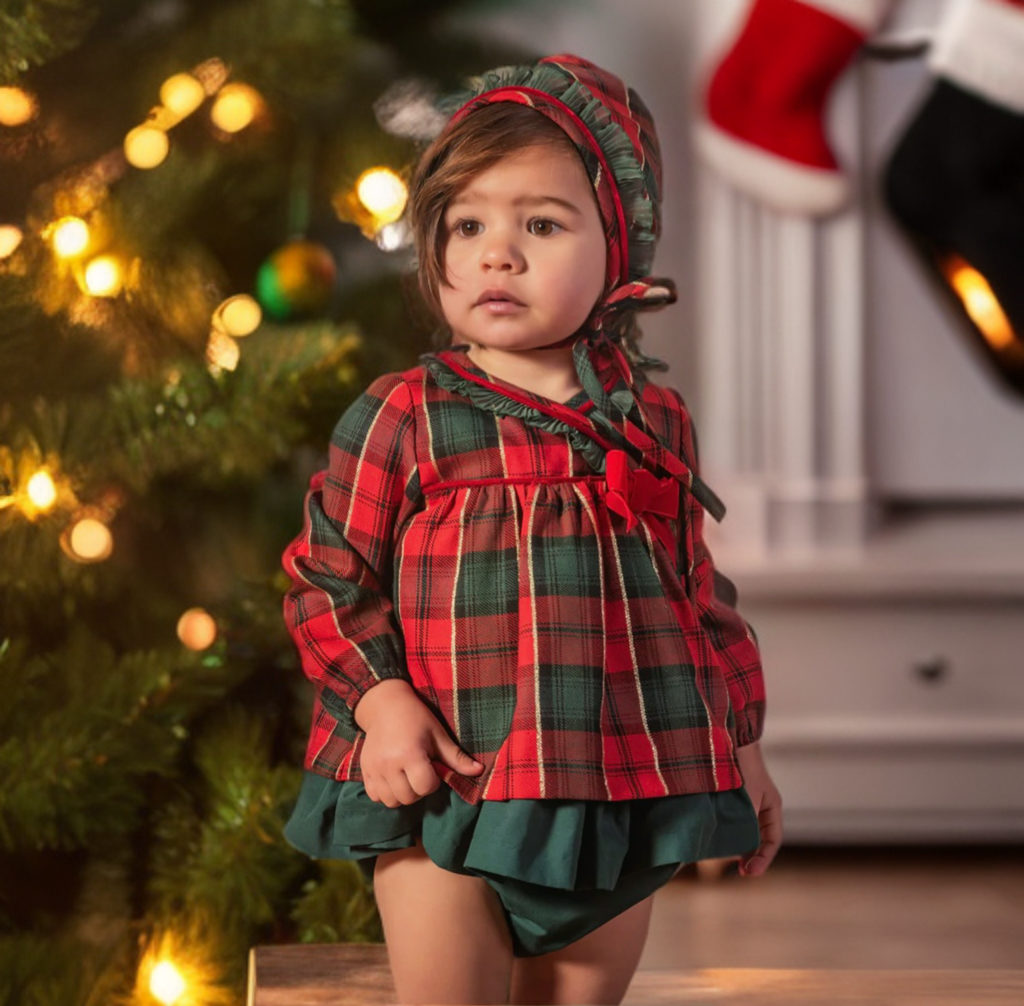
x: 561, y: 868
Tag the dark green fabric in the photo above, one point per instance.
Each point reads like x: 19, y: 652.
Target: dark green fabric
x: 561, y: 868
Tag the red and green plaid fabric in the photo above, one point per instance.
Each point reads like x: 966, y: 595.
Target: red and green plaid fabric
x: 461, y: 539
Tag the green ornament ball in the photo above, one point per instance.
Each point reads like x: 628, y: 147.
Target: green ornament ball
x: 296, y: 281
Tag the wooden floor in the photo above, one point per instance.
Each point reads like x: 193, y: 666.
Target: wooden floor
x: 896, y: 927
x: 909, y: 908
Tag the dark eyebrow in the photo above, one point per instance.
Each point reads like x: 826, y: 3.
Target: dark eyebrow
x: 467, y: 197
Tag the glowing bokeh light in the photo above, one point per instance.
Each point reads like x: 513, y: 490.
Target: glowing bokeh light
x: 10, y: 239
x: 41, y: 490
x: 182, y: 94
x: 222, y: 351
x: 91, y: 540
x: 146, y: 147
x: 197, y: 629
x: 393, y: 236
x: 239, y: 315
x: 166, y: 983
x: 16, y: 106
x: 235, y: 107
x: 104, y: 276
x: 70, y: 237
x: 981, y: 304
x: 383, y: 193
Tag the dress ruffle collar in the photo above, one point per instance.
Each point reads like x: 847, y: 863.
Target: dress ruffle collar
x: 607, y: 415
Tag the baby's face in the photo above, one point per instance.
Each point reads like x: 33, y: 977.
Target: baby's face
x: 525, y: 252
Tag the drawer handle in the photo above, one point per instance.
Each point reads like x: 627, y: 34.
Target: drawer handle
x: 931, y: 670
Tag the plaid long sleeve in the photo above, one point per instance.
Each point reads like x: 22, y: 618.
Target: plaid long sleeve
x: 729, y: 633
x: 339, y: 609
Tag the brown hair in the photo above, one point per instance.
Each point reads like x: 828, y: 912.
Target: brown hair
x: 474, y: 144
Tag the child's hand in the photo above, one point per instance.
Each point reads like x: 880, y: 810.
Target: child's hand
x: 402, y: 737
x: 767, y: 802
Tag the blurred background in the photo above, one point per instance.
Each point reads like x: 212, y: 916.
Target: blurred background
x: 203, y: 259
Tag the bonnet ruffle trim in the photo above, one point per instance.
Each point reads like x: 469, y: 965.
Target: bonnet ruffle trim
x: 501, y: 405
x: 615, y: 145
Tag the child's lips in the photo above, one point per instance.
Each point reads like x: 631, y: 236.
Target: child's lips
x: 498, y: 302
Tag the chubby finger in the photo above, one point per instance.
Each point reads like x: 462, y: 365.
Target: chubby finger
x: 401, y: 789
x: 422, y: 777
x: 756, y: 862
x: 387, y: 796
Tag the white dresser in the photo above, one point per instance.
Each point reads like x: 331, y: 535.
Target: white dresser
x: 895, y: 682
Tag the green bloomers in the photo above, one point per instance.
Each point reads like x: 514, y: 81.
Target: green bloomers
x: 561, y: 868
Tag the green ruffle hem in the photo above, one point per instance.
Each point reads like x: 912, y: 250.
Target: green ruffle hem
x: 561, y: 868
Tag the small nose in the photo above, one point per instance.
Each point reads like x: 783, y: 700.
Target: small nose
x: 501, y: 252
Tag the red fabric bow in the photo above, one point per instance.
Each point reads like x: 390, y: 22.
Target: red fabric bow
x: 635, y: 492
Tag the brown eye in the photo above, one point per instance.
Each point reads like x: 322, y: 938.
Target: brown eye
x: 542, y: 227
x: 466, y: 228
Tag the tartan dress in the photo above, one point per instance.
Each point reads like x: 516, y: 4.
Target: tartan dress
x: 537, y: 571
x: 462, y: 540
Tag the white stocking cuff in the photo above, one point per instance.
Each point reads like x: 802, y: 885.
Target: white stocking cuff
x: 979, y: 45
x: 864, y: 15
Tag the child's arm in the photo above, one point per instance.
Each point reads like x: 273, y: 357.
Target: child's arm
x: 765, y: 797
x: 339, y: 609
x: 729, y: 633
x: 740, y: 660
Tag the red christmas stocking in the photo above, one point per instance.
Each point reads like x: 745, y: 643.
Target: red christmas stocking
x: 762, y: 122
x: 955, y: 180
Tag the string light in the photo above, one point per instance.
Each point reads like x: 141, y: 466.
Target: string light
x: 70, y: 237
x: 197, y: 629
x: 182, y: 94
x: 177, y: 968
x: 10, y: 238
x: 16, y: 106
x: 222, y: 352
x: 90, y: 540
x: 239, y: 316
x: 391, y: 237
x: 235, y: 107
x: 42, y: 490
x: 166, y: 983
x: 146, y: 146
x: 104, y: 276
x: 383, y: 193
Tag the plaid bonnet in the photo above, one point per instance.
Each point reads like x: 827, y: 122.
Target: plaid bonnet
x: 612, y: 129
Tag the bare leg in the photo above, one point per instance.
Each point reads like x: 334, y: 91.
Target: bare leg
x: 596, y: 969
x: 448, y: 941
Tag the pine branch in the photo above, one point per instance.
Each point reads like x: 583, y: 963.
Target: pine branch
x: 338, y: 907
x: 234, y: 427
x: 221, y: 849
x: 36, y: 31
x: 72, y: 760
x: 45, y: 971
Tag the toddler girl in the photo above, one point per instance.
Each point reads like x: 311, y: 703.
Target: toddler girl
x: 531, y: 708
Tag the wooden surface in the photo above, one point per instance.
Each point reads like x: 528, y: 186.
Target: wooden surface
x: 347, y: 974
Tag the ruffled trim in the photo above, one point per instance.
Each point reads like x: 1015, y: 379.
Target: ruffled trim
x: 501, y: 405
x: 570, y: 845
x: 622, y: 400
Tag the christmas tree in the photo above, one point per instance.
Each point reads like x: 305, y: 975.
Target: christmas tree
x: 202, y: 262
